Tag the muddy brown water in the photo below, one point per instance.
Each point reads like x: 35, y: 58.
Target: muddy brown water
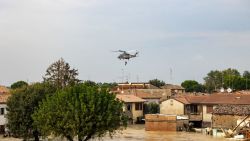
x: 138, y: 133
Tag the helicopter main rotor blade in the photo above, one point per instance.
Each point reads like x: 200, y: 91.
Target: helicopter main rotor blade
x: 119, y: 51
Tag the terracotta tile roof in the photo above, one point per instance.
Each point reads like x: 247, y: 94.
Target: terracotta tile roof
x: 4, y: 97
x: 171, y: 86
x: 232, y: 110
x: 129, y: 98
x: 145, y: 95
x: 219, y: 98
x: 4, y: 94
x: 237, y: 99
x: 4, y: 89
x: 182, y: 100
x: 126, y: 86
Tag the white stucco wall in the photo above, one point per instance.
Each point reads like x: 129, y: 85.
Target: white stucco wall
x: 3, y: 120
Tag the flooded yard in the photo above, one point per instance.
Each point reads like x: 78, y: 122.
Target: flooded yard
x: 138, y: 133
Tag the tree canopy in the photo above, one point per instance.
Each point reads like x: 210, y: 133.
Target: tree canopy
x: 80, y: 111
x: 192, y: 86
x: 157, y: 82
x: 18, y: 84
x: 60, y: 74
x: 20, y: 107
x: 151, y: 108
x: 229, y: 78
x: 246, y: 75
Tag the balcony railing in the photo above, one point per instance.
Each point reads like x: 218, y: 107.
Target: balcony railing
x: 195, y: 116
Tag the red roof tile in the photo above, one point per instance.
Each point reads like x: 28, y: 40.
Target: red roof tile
x: 4, y: 89
x: 4, y: 97
x: 129, y: 98
x: 235, y: 98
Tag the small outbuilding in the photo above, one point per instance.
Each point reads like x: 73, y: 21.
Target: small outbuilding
x: 161, y: 122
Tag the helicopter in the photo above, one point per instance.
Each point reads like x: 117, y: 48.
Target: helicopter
x: 125, y: 55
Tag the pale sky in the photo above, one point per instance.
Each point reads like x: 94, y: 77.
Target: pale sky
x: 189, y: 37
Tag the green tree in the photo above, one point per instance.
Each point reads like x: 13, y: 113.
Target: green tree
x: 18, y: 84
x: 108, y: 85
x: 151, y: 108
x: 157, y: 82
x: 80, y: 111
x: 246, y: 74
x: 21, y: 106
x: 61, y: 75
x: 213, y: 80
x: 90, y: 83
x: 192, y: 86
x: 230, y: 72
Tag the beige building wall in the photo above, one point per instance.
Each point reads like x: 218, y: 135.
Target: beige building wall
x: 207, y: 117
x: 172, y: 106
x: 136, y: 113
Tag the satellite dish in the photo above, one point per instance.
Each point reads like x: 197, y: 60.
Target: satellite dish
x: 222, y: 90
x: 229, y: 90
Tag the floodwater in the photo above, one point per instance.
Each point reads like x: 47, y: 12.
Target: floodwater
x: 138, y: 133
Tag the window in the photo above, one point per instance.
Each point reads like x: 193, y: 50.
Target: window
x: 209, y: 108
x: 129, y: 107
x: 138, y: 106
x: 194, y: 109
x: 2, y: 111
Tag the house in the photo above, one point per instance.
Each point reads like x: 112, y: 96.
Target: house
x: 175, y: 89
x: 200, y: 108
x: 4, y: 94
x: 130, y: 86
x: 149, y: 92
x: 133, y: 106
x: 149, y: 95
x: 229, y: 116
x: 185, y: 105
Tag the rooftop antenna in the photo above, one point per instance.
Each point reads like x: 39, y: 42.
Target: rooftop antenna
x: 171, y: 74
x: 137, y: 78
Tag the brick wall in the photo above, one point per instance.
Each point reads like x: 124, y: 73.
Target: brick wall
x: 160, y: 123
x: 225, y: 121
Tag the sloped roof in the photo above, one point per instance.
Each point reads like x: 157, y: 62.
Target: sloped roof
x: 171, y: 86
x: 145, y: 95
x: 4, y: 89
x: 4, y: 97
x: 125, y: 86
x: 234, y: 99
x: 129, y: 98
x: 4, y: 94
x: 232, y: 110
x: 191, y: 99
